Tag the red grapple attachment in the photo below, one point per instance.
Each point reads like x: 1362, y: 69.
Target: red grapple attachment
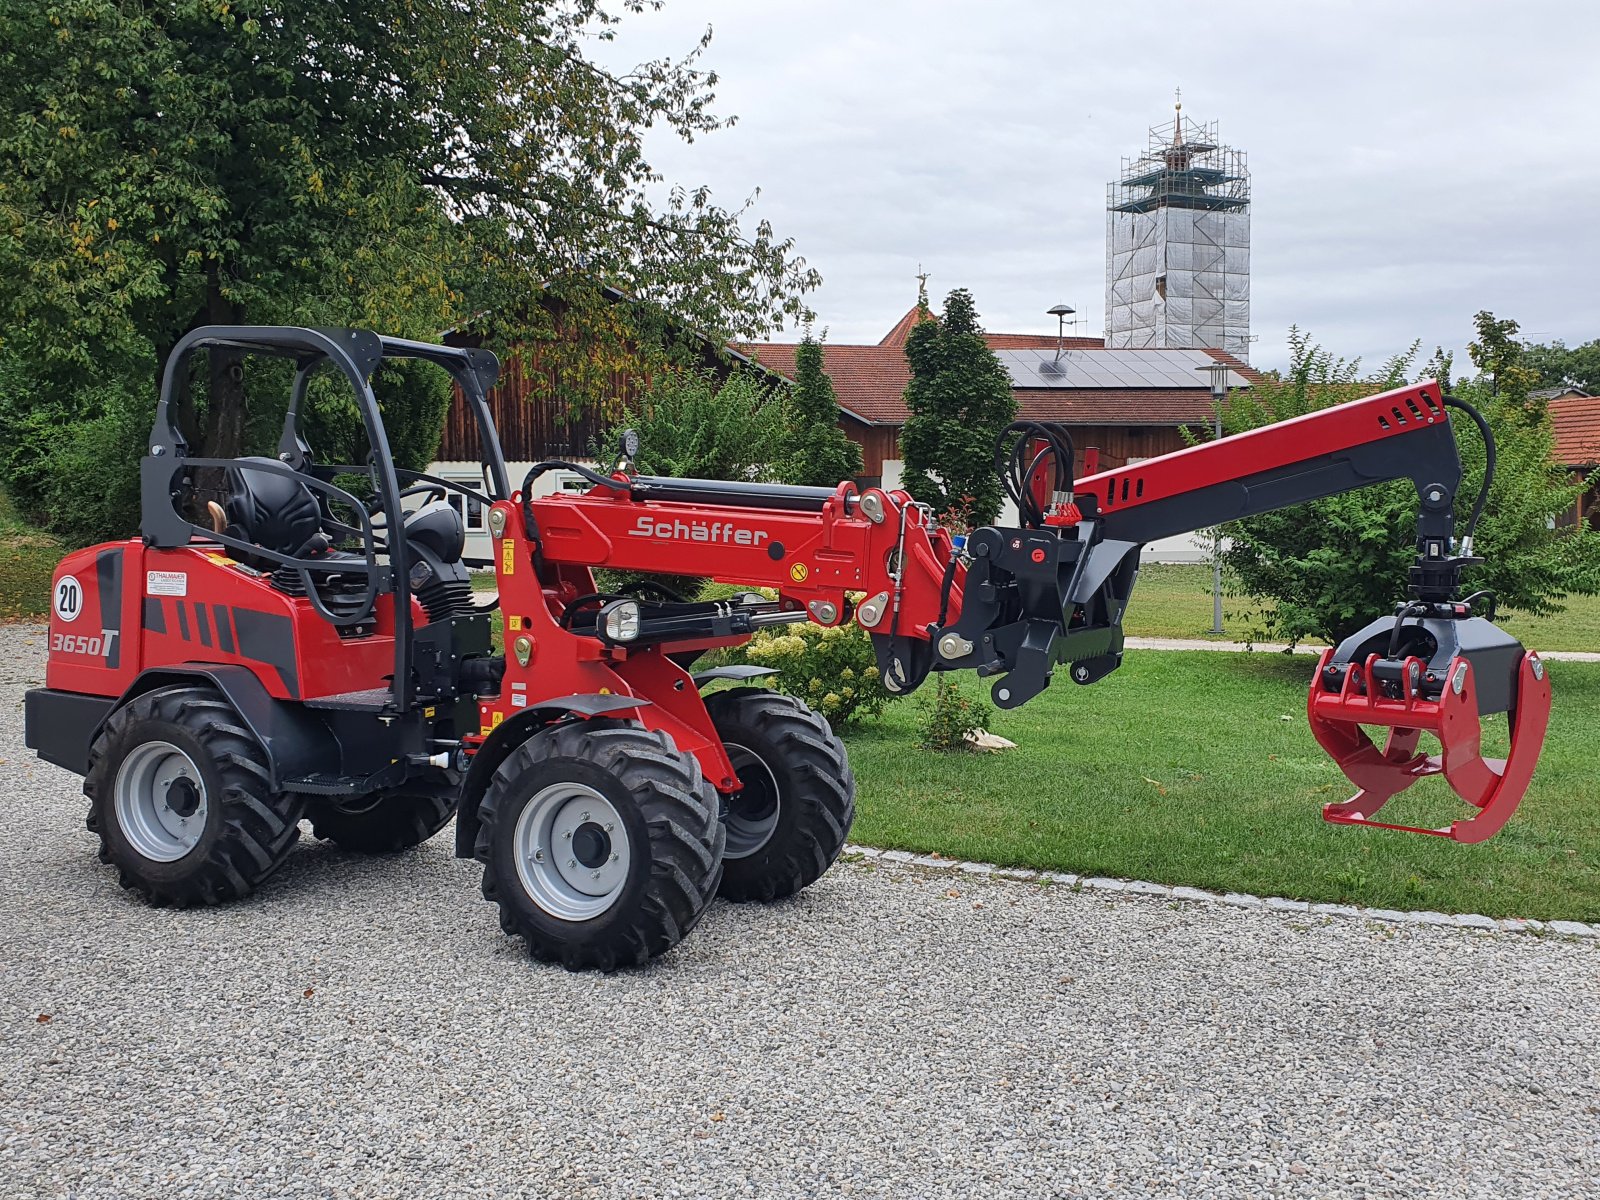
x: 1442, y: 694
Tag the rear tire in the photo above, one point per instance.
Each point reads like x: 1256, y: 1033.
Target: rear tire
x: 181, y: 797
x: 383, y: 823
x: 600, y: 843
x: 789, y: 822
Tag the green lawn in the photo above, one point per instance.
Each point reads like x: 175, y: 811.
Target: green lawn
x: 1174, y: 601
x: 1196, y: 768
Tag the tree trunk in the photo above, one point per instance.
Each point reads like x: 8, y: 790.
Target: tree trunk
x: 225, y: 424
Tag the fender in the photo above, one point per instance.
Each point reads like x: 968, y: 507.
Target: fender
x: 740, y: 671
x: 296, y: 742
x: 508, y: 735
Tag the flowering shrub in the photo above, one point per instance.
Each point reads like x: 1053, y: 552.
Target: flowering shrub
x: 948, y: 715
x: 832, y: 669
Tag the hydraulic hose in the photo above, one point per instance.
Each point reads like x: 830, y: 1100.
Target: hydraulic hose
x: 1015, y: 468
x: 1488, y: 470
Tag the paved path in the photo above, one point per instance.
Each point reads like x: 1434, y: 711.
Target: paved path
x: 363, y: 1028
x: 1147, y: 643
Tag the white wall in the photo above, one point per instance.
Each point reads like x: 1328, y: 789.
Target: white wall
x: 470, y: 474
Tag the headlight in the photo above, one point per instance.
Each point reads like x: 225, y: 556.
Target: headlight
x: 619, y: 620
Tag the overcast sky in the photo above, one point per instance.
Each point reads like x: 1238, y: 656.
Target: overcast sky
x: 1411, y: 162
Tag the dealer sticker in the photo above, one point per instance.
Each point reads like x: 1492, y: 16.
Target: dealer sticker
x: 166, y: 583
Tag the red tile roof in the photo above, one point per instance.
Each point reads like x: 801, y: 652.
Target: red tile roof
x: 997, y: 341
x: 1577, y: 425
x: 870, y: 380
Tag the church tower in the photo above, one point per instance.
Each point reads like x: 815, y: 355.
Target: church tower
x: 1178, y: 244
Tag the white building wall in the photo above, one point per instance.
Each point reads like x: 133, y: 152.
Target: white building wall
x: 472, y: 515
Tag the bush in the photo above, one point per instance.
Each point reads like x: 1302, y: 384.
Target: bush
x: 948, y: 715
x: 70, y: 457
x: 1331, y: 566
x: 831, y: 668
x: 694, y: 425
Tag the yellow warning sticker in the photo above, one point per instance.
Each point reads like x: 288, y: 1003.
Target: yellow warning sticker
x: 498, y: 717
x: 513, y: 622
x: 508, y: 557
x: 798, y: 572
x: 428, y: 712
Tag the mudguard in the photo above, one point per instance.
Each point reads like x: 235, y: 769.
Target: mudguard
x: 508, y: 735
x: 296, y: 742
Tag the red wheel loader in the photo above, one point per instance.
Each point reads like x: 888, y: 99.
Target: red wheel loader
x: 309, y: 645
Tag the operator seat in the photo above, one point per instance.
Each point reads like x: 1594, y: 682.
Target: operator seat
x: 274, y: 511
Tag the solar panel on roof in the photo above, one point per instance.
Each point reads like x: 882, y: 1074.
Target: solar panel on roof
x: 1083, y: 367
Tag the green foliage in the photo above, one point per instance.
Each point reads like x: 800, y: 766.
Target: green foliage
x: 960, y: 399
x: 823, y: 453
x: 70, y: 458
x: 831, y: 668
x: 697, y: 425
x: 1333, y: 565
x: 28, y: 561
x: 947, y: 714
x: 401, y: 167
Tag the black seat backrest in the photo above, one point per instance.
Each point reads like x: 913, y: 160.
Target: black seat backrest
x: 274, y: 511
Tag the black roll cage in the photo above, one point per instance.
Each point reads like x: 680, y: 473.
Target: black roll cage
x: 165, y: 471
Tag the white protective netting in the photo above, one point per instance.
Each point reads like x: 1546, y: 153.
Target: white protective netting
x: 1178, y: 246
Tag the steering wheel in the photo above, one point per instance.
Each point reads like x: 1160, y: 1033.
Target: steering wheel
x: 433, y: 491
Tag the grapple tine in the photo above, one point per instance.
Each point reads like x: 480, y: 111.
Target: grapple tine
x: 1496, y: 786
x: 1398, y: 700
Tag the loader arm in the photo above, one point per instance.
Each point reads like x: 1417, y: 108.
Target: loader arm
x: 1014, y: 602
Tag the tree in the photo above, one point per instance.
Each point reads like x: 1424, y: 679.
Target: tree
x: 1563, y: 366
x: 823, y: 453
x: 960, y: 400
x: 399, y: 165
x: 1329, y: 567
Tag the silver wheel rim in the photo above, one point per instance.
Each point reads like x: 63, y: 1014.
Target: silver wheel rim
x: 754, y: 809
x: 160, y: 801
x: 572, y: 851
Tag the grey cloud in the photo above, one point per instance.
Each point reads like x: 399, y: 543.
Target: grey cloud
x: 1411, y: 163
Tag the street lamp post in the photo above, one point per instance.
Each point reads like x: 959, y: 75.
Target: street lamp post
x: 1217, y: 373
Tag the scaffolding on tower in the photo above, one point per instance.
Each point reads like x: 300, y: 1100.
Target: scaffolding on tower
x: 1178, y: 244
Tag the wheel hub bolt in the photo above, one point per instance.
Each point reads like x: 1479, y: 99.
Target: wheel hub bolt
x: 572, y: 862
x: 610, y: 825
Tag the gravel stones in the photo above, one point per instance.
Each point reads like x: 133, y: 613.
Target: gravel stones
x: 361, y: 1028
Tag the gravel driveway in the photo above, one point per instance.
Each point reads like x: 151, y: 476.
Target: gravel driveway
x: 363, y: 1028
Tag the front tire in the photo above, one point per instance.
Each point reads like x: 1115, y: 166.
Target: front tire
x: 600, y: 843
x: 181, y: 797
x: 789, y: 821
x: 382, y: 823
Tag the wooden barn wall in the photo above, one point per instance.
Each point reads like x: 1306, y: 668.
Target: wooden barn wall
x: 877, y: 443
x: 533, y: 423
